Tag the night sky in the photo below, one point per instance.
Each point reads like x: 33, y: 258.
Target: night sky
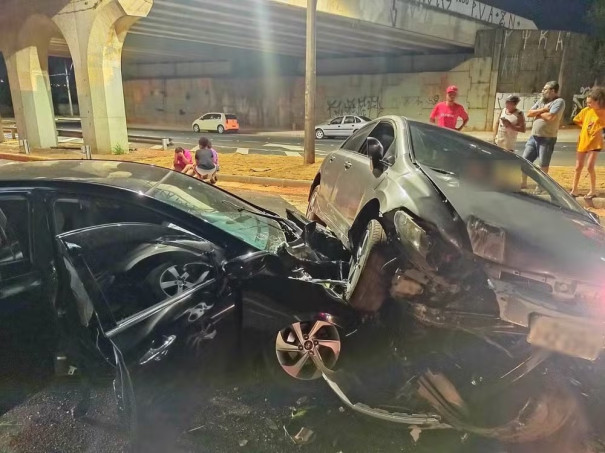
x: 566, y: 15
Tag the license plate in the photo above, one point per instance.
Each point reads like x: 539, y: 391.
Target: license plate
x: 566, y: 337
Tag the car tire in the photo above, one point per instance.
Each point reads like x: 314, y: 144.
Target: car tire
x: 311, y: 207
x: 368, y: 286
x: 220, y: 129
x: 196, y: 128
x: 319, y: 134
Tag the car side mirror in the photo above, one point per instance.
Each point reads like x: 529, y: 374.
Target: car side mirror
x: 375, y: 152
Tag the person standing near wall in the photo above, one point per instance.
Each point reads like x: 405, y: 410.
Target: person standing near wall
x: 511, y: 123
x: 592, y: 121
x: 547, y: 114
x: 446, y: 113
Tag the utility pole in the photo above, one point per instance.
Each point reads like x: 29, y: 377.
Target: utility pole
x: 71, y: 106
x: 310, y: 72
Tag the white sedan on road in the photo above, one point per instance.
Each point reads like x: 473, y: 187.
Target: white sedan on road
x: 341, y: 126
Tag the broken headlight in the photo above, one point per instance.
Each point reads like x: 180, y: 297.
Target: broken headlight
x: 487, y: 241
x: 410, y: 234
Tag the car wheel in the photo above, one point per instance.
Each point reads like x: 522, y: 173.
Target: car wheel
x: 220, y: 129
x: 173, y: 278
x: 367, y: 285
x: 196, y: 128
x: 304, y: 349
x: 319, y: 134
x: 312, y: 207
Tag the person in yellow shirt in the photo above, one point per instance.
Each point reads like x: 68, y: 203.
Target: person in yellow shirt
x: 592, y: 121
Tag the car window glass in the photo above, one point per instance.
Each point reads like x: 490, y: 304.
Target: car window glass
x: 206, y: 117
x: 385, y: 134
x: 349, y: 120
x: 75, y: 213
x: 231, y: 117
x: 357, y: 119
x: 336, y: 120
x: 135, y: 268
x: 14, y: 231
x: 482, y: 164
x: 356, y: 141
x: 218, y: 116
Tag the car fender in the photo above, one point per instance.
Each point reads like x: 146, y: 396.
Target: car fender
x: 413, y: 192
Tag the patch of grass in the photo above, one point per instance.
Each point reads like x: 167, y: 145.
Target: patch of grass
x: 118, y: 150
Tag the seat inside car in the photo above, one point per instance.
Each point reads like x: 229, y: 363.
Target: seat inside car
x: 75, y: 214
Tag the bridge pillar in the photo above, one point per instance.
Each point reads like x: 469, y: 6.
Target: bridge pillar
x: 95, y: 34
x: 26, y: 57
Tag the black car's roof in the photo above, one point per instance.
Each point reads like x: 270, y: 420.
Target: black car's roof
x: 105, y: 172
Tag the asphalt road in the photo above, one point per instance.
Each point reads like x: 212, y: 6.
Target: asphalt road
x: 565, y: 152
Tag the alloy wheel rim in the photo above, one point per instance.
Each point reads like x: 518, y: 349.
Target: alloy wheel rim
x: 181, y: 277
x: 357, y: 265
x: 305, y: 349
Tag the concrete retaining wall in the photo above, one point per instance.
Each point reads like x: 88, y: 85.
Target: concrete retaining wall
x: 278, y: 102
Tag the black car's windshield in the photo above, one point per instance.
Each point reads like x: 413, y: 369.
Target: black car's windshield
x: 477, y: 162
x: 176, y: 189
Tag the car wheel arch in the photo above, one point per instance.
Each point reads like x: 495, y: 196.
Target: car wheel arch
x: 314, y: 184
x: 371, y: 210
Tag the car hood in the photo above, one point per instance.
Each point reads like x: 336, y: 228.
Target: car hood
x: 525, y: 234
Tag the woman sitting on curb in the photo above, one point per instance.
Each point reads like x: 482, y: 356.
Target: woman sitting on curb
x: 206, y: 163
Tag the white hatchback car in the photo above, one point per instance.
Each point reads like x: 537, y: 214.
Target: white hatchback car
x: 219, y: 122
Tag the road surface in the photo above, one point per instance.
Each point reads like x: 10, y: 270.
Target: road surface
x: 565, y: 152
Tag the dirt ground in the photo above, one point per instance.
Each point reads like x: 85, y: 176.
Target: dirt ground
x: 274, y: 167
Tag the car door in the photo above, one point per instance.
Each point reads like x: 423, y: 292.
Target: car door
x: 27, y: 289
x: 348, y: 125
x: 206, y: 122
x: 20, y: 279
x: 341, y: 165
x: 333, y: 127
x: 144, y: 290
x: 357, y: 183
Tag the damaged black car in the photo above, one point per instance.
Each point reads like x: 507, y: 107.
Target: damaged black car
x: 119, y: 265
x: 487, y: 277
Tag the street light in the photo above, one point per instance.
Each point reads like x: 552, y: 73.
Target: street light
x: 310, y: 72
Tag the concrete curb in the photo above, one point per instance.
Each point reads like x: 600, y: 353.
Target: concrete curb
x: 280, y: 182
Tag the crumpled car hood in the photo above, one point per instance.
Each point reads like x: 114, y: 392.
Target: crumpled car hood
x: 538, y: 237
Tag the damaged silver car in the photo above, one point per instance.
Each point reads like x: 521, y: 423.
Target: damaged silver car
x: 484, y: 273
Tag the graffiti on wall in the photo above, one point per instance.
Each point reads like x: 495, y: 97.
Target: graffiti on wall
x: 427, y: 102
x: 469, y: 8
x: 370, y: 106
x: 579, y: 101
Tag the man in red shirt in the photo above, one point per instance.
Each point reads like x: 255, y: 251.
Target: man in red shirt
x: 446, y: 113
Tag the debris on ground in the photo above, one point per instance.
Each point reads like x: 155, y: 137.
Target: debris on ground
x: 415, y: 433
x: 304, y: 436
x: 302, y: 400
x: 243, y: 443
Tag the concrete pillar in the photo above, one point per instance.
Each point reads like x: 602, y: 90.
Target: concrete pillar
x: 27, y: 67
x: 95, y: 35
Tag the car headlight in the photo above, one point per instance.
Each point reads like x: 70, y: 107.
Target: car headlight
x: 411, y: 234
x: 487, y: 241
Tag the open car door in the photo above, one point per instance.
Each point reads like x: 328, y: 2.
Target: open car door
x: 145, y: 289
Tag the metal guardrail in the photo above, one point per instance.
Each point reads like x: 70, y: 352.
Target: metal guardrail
x: 165, y: 142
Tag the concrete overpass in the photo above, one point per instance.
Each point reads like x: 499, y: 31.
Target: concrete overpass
x: 94, y: 34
